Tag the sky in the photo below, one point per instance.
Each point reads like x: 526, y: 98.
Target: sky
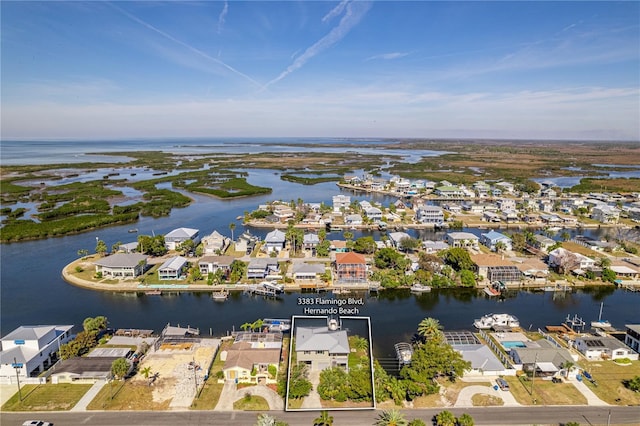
x: 387, y: 69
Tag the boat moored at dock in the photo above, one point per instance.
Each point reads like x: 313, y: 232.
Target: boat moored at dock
x: 496, y: 320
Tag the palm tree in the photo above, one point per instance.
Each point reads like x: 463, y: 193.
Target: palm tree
x: 500, y: 246
x: 324, y: 419
x: 564, y: 236
x: 232, y: 226
x: 146, y: 372
x: 604, y: 262
x: 246, y: 326
x: 257, y: 324
x: 391, y: 417
x: 430, y: 328
x: 567, y: 366
x: 445, y: 418
x: 265, y: 420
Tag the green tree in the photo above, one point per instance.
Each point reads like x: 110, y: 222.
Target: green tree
x: 146, y: 372
x: 101, y: 247
x: 467, y: 278
x: 83, y: 252
x: 608, y: 275
x: 116, y: 247
x: 238, y: 269
x: 199, y: 250
x: 445, y: 418
x: 409, y: 244
x: 96, y: 324
x: 518, y: 241
x: 604, y: 262
x: 324, y: 419
x: 195, y: 274
x: 333, y: 385
x: 232, y: 227
x: 465, y: 420
x: 388, y: 258
x: 365, y: 245
x: 257, y: 324
x: 246, y: 326
x: 267, y: 420
x: 417, y: 422
x: 432, y: 359
x: 564, y: 236
x: 458, y: 258
x: 391, y: 417
x: 500, y: 246
x: 348, y: 235
x: 186, y: 247
x: 323, y: 249
x: 633, y: 384
x: 567, y: 367
x: 430, y: 328
x: 119, y: 368
x: 153, y: 246
x: 299, y: 385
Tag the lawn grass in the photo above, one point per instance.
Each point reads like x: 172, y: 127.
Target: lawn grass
x: 545, y: 392
x: 610, y: 377
x: 117, y: 395
x: 483, y: 400
x: 47, y: 397
x: 251, y: 403
x: 208, y: 397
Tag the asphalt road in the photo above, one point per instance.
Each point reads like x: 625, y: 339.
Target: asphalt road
x: 483, y: 416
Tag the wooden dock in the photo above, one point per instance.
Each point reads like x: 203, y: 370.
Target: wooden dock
x: 261, y: 291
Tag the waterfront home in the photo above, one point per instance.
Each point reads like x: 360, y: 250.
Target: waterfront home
x: 210, y: 264
x: 509, y: 216
x: 452, y: 207
x: 548, y: 193
x: 541, y: 355
x: 532, y: 219
x: 352, y: 180
x: 492, y: 238
x: 496, y: 268
x: 632, y: 337
x: 551, y: 219
x: 341, y: 202
x: 595, y: 245
x: 506, y: 187
x: 489, y: 216
x: 505, y: 204
x: 431, y: 247
x: 399, y: 205
x: 178, y: 236
x: 353, y: 220
x: 83, y: 370
x: 397, y: 237
x: 483, y: 361
x: 274, y: 241
x: 481, y: 188
x: 473, y: 208
x: 261, y: 267
x: 215, y: 243
x: 122, y: 265
x: 374, y: 214
x: 545, y: 206
x: 351, y: 268
x: 31, y: 349
x: 173, y: 268
x: 253, y: 358
x: 128, y: 247
x: 246, y: 242
x: 321, y: 348
x: 449, y: 191
x: 542, y: 242
x: 596, y: 348
x: 604, y: 213
x: 624, y: 269
x: 338, y: 246
x: 283, y: 212
x: 569, y: 261
x: 462, y: 239
x: 533, y: 268
x: 430, y: 214
x: 308, y: 272
x: 310, y: 241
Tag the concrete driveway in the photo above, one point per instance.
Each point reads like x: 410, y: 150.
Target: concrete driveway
x: 465, y: 396
x: 592, y: 399
x: 230, y: 395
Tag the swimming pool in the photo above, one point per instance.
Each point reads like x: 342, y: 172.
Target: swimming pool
x: 513, y: 344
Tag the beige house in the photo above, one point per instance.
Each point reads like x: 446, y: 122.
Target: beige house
x: 122, y: 265
x: 251, y: 357
x: 322, y: 347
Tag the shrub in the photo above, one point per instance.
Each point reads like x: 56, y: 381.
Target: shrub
x: 79, y: 269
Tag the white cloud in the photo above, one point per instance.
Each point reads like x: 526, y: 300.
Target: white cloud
x: 354, y: 12
x: 336, y: 11
x: 388, y: 56
x: 222, y: 17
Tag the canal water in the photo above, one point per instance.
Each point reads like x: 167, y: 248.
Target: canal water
x: 33, y: 292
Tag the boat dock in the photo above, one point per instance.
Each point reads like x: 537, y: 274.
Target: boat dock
x: 261, y: 291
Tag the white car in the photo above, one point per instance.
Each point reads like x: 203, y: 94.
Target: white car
x: 36, y: 423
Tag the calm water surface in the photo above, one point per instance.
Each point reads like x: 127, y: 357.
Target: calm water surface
x: 33, y: 292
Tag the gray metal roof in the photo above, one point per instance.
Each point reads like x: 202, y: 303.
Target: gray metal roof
x: 309, y: 268
x: 35, y: 332
x: 174, y: 263
x: 275, y: 236
x: 480, y: 357
x: 322, y: 339
x: 121, y: 260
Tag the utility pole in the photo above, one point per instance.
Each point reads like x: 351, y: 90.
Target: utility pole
x: 533, y: 378
x: 17, y: 366
x: 609, y: 418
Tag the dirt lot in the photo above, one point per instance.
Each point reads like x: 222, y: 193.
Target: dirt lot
x: 173, y: 369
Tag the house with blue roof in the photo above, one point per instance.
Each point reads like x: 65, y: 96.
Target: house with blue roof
x: 491, y: 238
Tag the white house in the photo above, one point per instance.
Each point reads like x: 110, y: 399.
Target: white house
x: 176, y: 237
x: 430, y: 214
x: 603, y: 347
x: 122, y: 265
x: 564, y: 258
x: 373, y: 213
x: 431, y: 246
x: 212, y: 263
x: 341, y: 202
x: 462, y: 239
x: 632, y: 338
x: 31, y: 349
x: 353, y: 219
x: 491, y: 238
x: 215, y: 243
x: 274, y: 241
x: 173, y: 268
x: 322, y: 347
x: 605, y: 214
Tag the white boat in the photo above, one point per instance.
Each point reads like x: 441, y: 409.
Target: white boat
x: 600, y: 323
x: 496, y: 320
x: 278, y: 288
x: 220, y: 296
x: 277, y: 324
x: 419, y: 288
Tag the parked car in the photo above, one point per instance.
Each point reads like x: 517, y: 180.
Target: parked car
x: 502, y: 383
x: 556, y: 380
x: 36, y: 423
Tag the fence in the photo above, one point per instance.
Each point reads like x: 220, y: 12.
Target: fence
x: 550, y: 339
x: 497, y: 350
